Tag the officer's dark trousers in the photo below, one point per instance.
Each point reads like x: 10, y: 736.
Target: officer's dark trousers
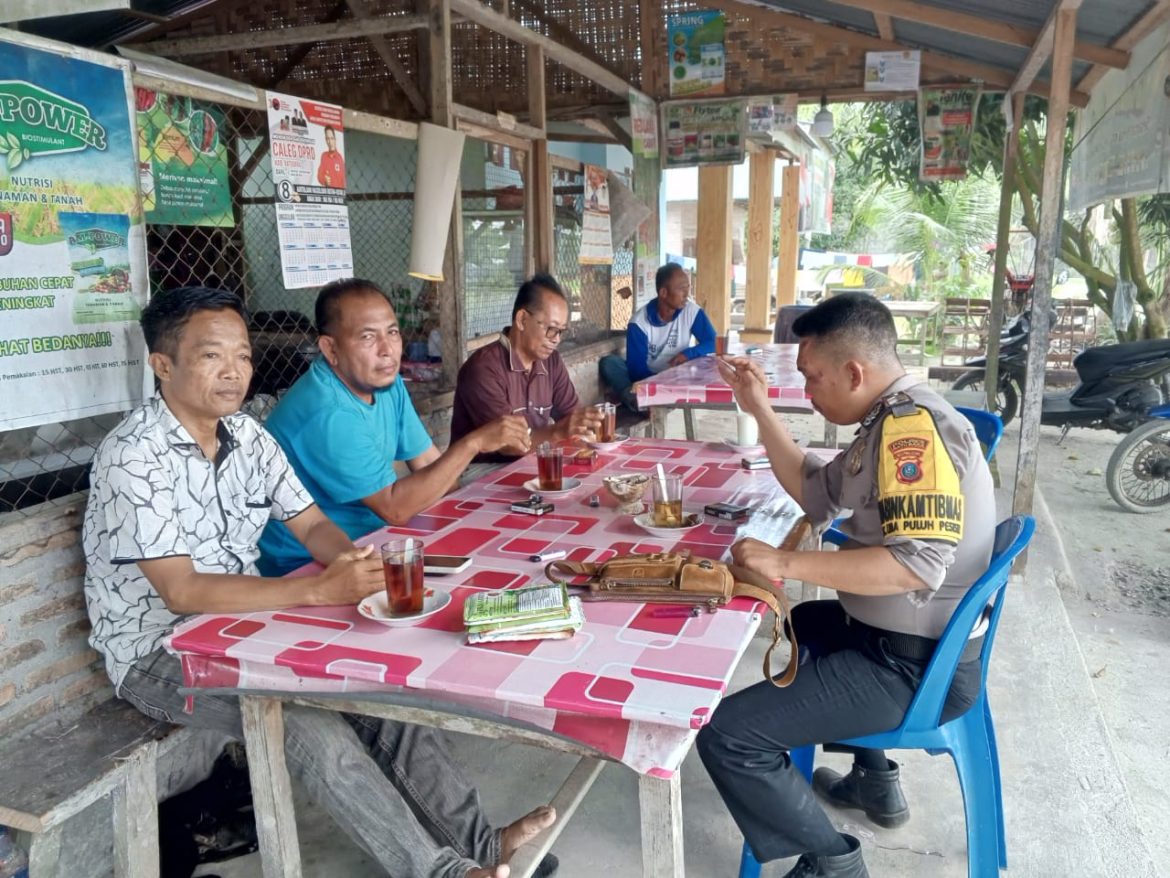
x: 848, y: 685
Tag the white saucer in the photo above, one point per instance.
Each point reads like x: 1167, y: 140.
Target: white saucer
x: 646, y: 522
x: 742, y: 449
x: 376, y: 608
x: 609, y: 446
x: 567, y: 484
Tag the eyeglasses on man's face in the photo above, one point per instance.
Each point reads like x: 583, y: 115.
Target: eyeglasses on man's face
x: 552, y: 333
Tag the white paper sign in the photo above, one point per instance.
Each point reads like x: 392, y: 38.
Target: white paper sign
x: 892, y: 71
x: 308, y: 169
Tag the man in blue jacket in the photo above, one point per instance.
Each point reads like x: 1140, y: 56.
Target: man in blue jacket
x: 660, y: 335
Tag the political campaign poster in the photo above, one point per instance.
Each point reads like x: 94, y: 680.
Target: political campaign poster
x: 73, y: 278
x: 704, y: 133
x: 596, y: 236
x: 697, y: 57
x: 892, y: 71
x: 643, y: 125
x: 182, y: 161
x: 307, y: 144
x: 947, y: 118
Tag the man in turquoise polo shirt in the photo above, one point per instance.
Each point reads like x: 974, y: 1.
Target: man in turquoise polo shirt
x: 346, y: 421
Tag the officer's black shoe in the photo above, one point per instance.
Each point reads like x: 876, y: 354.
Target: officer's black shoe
x: 877, y: 793
x: 849, y: 865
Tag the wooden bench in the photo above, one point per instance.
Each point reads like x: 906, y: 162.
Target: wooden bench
x: 111, y: 750
x: 66, y: 742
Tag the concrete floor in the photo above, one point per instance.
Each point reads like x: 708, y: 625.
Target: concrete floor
x: 1076, y: 688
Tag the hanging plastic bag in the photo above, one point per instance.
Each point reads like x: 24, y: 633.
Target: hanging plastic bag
x: 1123, y: 300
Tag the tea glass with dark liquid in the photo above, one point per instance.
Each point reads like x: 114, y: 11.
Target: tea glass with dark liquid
x: 549, y: 463
x: 402, y: 565
x: 607, y: 429
x: 667, y: 496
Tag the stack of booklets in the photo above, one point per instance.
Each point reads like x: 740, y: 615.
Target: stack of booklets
x: 542, y: 612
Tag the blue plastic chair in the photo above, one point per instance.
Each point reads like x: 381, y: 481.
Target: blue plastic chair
x: 970, y: 738
x: 988, y: 430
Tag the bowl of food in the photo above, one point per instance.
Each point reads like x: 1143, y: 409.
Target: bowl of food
x: 627, y: 489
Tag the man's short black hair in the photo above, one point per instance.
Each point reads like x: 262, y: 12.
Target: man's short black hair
x: 328, y: 308
x: 856, y: 321
x: 663, y: 275
x: 169, y: 311
x: 528, y: 298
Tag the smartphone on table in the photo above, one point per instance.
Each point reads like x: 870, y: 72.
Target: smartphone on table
x: 440, y: 564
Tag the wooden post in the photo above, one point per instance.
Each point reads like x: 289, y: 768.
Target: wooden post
x: 451, y: 287
x: 136, y: 816
x: 758, y: 296
x: 540, y: 194
x: 713, y: 278
x: 660, y: 803
x: 789, y: 249
x: 652, y: 33
x: 1002, y: 240
x: 276, y: 825
x: 1051, y: 211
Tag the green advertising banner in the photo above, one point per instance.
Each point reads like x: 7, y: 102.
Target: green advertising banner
x: 697, y: 58
x: 182, y: 161
x: 73, y: 276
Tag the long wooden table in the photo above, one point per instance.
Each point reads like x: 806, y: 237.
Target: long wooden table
x: 697, y: 385
x: 632, y: 687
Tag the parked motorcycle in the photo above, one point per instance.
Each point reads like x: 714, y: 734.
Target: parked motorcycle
x: 1138, y: 475
x: 1121, y: 387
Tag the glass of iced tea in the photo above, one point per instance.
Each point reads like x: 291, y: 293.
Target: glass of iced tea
x: 549, y: 467
x: 607, y: 430
x: 667, y: 494
x: 402, y: 565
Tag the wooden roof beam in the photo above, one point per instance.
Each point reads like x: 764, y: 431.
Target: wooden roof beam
x: 1041, y: 50
x: 1155, y: 17
x: 766, y: 16
x: 390, y: 59
x: 285, y: 36
x: 475, y: 11
x: 884, y: 24
x: 978, y: 26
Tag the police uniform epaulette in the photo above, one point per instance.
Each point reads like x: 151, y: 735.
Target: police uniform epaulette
x: 898, y: 402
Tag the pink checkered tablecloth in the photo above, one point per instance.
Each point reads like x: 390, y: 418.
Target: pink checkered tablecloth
x: 699, y: 381
x: 633, y: 684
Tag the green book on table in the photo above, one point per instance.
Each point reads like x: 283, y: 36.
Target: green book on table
x: 491, y: 610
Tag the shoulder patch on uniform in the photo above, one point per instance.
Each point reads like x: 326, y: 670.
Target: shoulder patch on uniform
x: 919, y: 494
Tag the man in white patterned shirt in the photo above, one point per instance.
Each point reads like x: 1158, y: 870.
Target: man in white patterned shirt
x: 181, y: 490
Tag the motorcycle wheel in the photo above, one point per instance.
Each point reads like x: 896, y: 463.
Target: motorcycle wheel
x: 1007, y: 401
x: 1138, y: 474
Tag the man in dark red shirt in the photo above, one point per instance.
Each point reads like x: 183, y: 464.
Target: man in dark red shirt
x: 521, y: 373
x: 331, y: 171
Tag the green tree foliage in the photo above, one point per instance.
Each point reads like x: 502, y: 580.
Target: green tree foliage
x: 882, y: 146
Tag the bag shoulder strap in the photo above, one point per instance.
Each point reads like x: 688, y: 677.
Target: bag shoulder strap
x: 568, y: 569
x: 750, y: 584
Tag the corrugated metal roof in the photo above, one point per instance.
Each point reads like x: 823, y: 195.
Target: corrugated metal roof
x: 964, y: 46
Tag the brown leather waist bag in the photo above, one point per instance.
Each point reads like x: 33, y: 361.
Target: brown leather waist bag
x: 679, y: 578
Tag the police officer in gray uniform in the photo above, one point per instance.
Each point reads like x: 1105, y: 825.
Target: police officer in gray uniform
x: 921, y: 533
